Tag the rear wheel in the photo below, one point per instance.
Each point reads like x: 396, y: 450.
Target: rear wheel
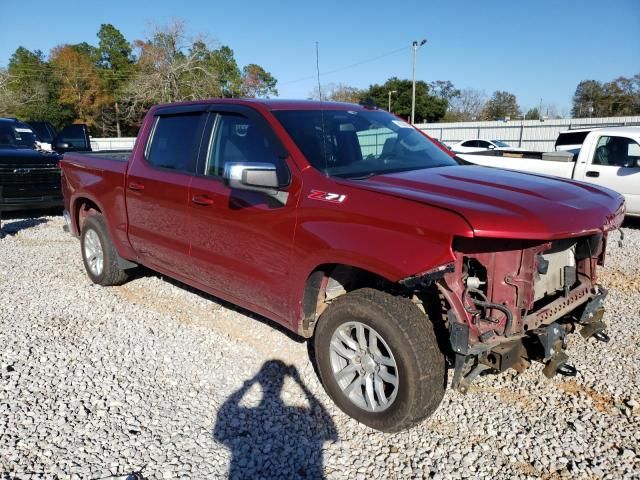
x: 98, y: 253
x: 379, y: 360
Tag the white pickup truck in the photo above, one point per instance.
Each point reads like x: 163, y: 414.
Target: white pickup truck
x: 609, y: 157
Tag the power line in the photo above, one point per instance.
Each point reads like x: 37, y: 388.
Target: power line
x: 357, y: 64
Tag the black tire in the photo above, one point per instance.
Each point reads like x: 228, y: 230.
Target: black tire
x: 111, y: 274
x: 410, y: 336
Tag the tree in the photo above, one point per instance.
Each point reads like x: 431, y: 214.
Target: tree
x: 29, y: 90
x: 444, y: 89
x: 532, y: 114
x: 170, y: 68
x: 116, y: 64
x: 87, y: 50
x: 257, y: 82
x: 501, y: 105
x: 223, y: 62
x: 429, y: 108
x: 173, y: 67
x: 587, y: 99
x: 338, y: 92
x: 619, y: 98
x: 466, y: 106
x: 80, y: 86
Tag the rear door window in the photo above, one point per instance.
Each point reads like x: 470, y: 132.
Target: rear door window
x: 75, y: 135
x: 174, y: 142
x: 571, y: 138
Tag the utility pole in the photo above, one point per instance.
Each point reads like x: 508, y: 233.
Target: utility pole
x: 416, y: 45
x: 390, y: 92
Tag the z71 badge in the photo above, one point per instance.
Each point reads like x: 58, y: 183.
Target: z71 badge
x: 326, y: 196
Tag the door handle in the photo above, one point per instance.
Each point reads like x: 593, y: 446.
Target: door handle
x: 202, y: 200
x: 136, y: 186
x: 591, y: 173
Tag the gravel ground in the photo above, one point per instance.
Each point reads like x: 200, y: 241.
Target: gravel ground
x: 153, y: 377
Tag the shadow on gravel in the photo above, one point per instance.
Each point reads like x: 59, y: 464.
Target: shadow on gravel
x: 273, y: 439
x: 13, y: 227
x: 24, y: 219
x: 632, y: 222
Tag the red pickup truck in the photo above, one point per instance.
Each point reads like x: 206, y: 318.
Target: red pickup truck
x: 349, y: 226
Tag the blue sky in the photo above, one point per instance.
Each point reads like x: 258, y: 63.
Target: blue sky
x: 536, y: 49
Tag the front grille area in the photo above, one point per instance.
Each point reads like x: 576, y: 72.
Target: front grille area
x: 28, y: 180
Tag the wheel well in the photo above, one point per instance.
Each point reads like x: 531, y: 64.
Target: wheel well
x: 329, y: 281
x: 84, y: 207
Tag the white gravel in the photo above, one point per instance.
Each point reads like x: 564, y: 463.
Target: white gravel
x: 156, y: 378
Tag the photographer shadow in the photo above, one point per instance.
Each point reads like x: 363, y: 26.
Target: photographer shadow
x: 273, y: 439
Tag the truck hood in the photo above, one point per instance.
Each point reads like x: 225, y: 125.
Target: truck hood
x: 506, y: 204
x: 27, y: 156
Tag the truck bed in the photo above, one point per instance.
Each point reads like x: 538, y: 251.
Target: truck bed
x: 557, y: 164
x: 118, y: 155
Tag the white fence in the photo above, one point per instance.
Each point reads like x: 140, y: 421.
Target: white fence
x: 122, y: 143
x: 529, y: 134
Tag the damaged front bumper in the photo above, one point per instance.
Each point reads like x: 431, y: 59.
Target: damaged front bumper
x: 514, y: 304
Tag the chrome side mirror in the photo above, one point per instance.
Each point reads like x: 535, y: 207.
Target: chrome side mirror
x: 254, y: 177
x: 258, y: 177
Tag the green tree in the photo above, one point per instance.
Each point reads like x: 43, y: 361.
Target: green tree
x: 619, y: 98
x: 257, y: 82
x: 501, y: 105
x: 30, y: 89
x: 429, y: 108
x: 116, y: 63
x: 532, y: 114
x: 87, y: 51
x: 223, y: 62
x: 215, y: 73
x: 587, y: 99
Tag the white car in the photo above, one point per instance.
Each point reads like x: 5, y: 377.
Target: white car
x: 468, y: 146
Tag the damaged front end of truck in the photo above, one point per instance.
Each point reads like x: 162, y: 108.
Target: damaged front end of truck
x: 510, y: 302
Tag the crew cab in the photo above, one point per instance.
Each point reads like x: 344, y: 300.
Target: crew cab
x: 351, y: 227
x: 609, y: 157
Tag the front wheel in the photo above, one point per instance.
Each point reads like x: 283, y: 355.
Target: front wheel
x: 379, y: 360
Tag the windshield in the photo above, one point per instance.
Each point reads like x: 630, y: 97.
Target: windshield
x: 500, y: 143
x: 16, y: 135
x: 362, y: 143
